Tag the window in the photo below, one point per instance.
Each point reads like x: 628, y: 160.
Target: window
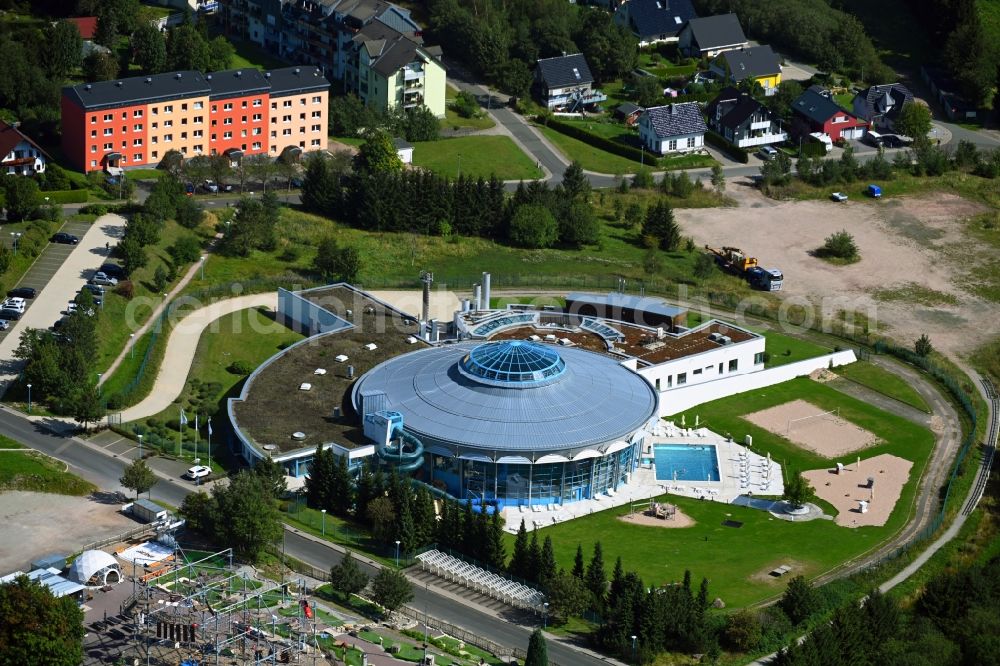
x: 670, y: 381
x: 93, y: 163
x: 184, y: 135
x: 169, y: 108
x: 168, y: 123
x: 734, y: 365
x: 302, y: 101
x: 124, y: 115
x: 720, y: 368
x: 155, y: 125
x: 136, y: 128
x: 137, y: 113
x: 184, y: 121
x: 93, y: 134
x: 317, y: 114
x: 315, y: 128
x: 287, y: 103
x: 314, y: 142
x: 302, y: 130
x: 274, y: 105
x: 227, y: 121
x: 228, y: 106
x: 658, y: 385
x: 243, y: 133
x: 286, y: 132
x: 257, y: 117
x: 243, y: 146
x: 154, y: 140
x: 199, y: 106
x: 690, y: 142
x: 136, y: 142
x: 108, y: 131
x: 124, y: 144
x: 274, y: 120
x: 256, y: 103
x: 137, y: 157
x: 107, y: 117
x: 286, y: 119
x: 93, y: 148
x: 243, y: 105
x: 93, y: 120
x: 758, y: 358
x: 197, y: 134
x: 167, y: 138
x: 156, y: 110
x: 198, y: 120
x: 243, y: 119
x: 274, y: 134
x: 213, y: 137
x: 697, y: 371
x: 214, y: 123
x: 184, y: 106
x: 302, y: 116
x: 317, y: 99
x: 256, y: 131
x: 256, y: 145
x: 672, y: 145
x: 124, y: 159
x: 154, y: 155
x: 227, y: 135
x: 682, y: 378
x: 184, y: 150
x: 198, y: 148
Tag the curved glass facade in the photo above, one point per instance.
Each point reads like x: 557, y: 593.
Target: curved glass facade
x: 512, y: 484
x: 513, y: 362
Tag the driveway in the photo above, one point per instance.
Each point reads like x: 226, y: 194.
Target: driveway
x: 61, y: 286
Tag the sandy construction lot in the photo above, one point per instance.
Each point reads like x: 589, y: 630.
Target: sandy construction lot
x: 904, y: 242
x: 845, y: 490
x: 807, y: 425
x: 679, y: 519
x: 36, y: 524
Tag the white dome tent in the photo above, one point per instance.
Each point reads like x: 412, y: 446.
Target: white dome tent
x: 95, y: 568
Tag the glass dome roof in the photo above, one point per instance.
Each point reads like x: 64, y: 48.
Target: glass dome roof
x: 513, y: 362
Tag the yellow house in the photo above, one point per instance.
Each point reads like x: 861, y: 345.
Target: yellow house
x: 396, y: 71
x: 757, y: 63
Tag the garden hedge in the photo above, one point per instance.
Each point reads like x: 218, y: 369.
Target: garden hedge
x: 600, y: 142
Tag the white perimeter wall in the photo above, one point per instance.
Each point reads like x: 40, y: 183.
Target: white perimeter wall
x: 664, y: 376
x: 683, y: 398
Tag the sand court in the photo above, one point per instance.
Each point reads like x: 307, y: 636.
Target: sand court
x: 678, y: 519
x: 813, y: 428
x: 879, y: 482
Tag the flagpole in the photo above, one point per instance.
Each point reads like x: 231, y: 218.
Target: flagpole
x: 210, y: 442
x: 196, y: 435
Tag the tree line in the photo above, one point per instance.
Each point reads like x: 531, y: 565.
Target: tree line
x: 968, y: 51
x: 502, y: 39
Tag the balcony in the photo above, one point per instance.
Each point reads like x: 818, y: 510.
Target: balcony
x: 762, y: 125
x: 762, y: 140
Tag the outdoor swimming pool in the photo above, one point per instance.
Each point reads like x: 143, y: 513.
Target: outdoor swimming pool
x: 697, y: 462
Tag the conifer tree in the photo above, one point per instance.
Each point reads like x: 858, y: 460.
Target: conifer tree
x: 596, y: 579
x: 534, y: 558
x: 496, y: 551
x: 547, y: 564
x: 578, y: 562
x: 519, y: 560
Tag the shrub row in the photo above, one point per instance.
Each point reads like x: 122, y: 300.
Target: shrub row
x: 720, y: 142
x: 64, y: 196
x: 812, y: 147
x: 628, y: 152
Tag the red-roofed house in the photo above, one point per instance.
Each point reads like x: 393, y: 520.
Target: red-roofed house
x: 19, y: 155
x: 87, y: 25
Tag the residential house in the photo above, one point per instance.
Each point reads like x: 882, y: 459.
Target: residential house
x: 881, y: 105
x: 86, y: 26
x: 404, y: 150
x: 394, y: 71
x: 742, y: 120
x: 134, y: 122
x: 19, y: 155
x: 709, y: 36
x: 943, y: 87
x: 565, y: 83
x: 816, y: 111
x: 655, y: 21
x: 672, y: 128
x: 628, y: 113
x: 257, y: 21
x: 756, y: 63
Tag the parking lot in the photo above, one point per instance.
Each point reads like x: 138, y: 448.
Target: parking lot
x: 47, y: 263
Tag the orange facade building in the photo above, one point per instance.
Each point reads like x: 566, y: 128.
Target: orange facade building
x: 134, y: 122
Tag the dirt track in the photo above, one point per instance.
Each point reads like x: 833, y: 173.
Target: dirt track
x: 903, y: 242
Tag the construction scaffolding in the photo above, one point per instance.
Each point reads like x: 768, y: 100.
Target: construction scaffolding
x: 206, y: 611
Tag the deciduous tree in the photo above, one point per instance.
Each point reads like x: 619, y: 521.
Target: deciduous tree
x: 37, y: 628
x: 138, y: 477
x: 347, y: 577
x: 391, y: 589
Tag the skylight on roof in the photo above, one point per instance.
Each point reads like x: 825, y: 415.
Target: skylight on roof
x: 576, y: 73
x: 677, y: 20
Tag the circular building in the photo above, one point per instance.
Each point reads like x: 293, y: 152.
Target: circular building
x: 512, y: 421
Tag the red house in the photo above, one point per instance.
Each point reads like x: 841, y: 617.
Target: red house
x: 239, y: 99
x: 816, y: 111
x: 86, y: 25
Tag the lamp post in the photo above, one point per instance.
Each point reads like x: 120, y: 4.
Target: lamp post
x: 98, y: 383
x: 323, y: 511
x: 140, y: 447
x: 634, y: 637
x: 203, y: 257
x: 16, y: 236
x: 459, y: 165
x: 29, y: 398
x: 397, y: 553
x: 131, y: 337
x: 545, y: 615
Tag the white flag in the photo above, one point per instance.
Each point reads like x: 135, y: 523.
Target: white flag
x: 184, y: 419
x: 209, y: 427
x: 196, y: 422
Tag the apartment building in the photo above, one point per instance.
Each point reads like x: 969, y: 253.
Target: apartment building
x: 134, y: 122
x: 393, y: 71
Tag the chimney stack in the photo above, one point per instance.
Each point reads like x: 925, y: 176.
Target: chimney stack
x: 486, y: 291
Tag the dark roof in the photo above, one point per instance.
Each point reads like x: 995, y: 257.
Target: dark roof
x: 292, y: 80
x: 390, y: 49
x: 628, y: 108
x: 138, y: 90
x: 85, y: 25
x: 401, y: 144
x: 563, y: 71
x: 236, y: 83
x: 10, y: 136
x: 816, y: 106
x: 652, y: 18
x: 714, y: 31
x: 752, y: 62
x: 676, y: 119
x: 627, y: 301
x: 733, y: 107
x: 885, y: 100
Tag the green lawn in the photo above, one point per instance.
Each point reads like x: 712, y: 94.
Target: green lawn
x: 475, y: 156
x: 8, y: 443
x: 783, y: 349
x: 251, y: 55
x: 589, y: 157
x: 453, y: 120
x: 883, y: 381
x: 736, y: 561
x: 144, y: 174
x: 248, y: 337
x: 30, y: 470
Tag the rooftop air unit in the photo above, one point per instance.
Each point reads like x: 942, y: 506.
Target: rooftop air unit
x: 350, y: 372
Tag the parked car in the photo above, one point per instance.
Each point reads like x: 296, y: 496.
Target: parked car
x: 226, y: 187
x: 58, y: 324
x: 64, y: 238
x: 12, y: 315
x: 296, y: 182
x: 73, y: 307
x: 210, y: 186
x: 14, y: 303
x: 103, y: 279
x: 4, y: 324
x: 838, y: 196
x: 95, y: 289
x: 112, y: 270
x: 767, y: 153
x: 23, y: 292
x: 198, y: 472
x: 875, y: 192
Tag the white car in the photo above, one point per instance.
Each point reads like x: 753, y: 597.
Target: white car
x: 767, y: 153
x: 14, y: 303
x: 838, y: 196
x: 4, y: 324
x: 198, y: 472
x: 103, y: 280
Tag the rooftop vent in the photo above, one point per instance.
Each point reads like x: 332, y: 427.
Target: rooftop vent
x: 87, y: 87
x: 297, y: 70
x: 340, y: 358
x: 208, y: 77
x: 267, y: 75
x: 270, y: 447
x: 119, y: 83
x: 239, y: 73
x: 177, y: 75
x: 319, y: 371
x: 298, y: 436
x: 149, y: 79
x: 305, y: 386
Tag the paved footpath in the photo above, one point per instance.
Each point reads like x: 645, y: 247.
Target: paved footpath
x: 52, y: 300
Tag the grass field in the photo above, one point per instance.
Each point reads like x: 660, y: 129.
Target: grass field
x: 591, y: 158
x: 883, y: 381
x: 29, y: 470
x: 453, y: 120
x: 251, y: 55
x: 475, y: 156
x: 8, y: 443
x: 783, y: 349
x: 736, y: 561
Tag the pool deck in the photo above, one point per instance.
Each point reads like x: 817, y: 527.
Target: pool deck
x: 742, y: 472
